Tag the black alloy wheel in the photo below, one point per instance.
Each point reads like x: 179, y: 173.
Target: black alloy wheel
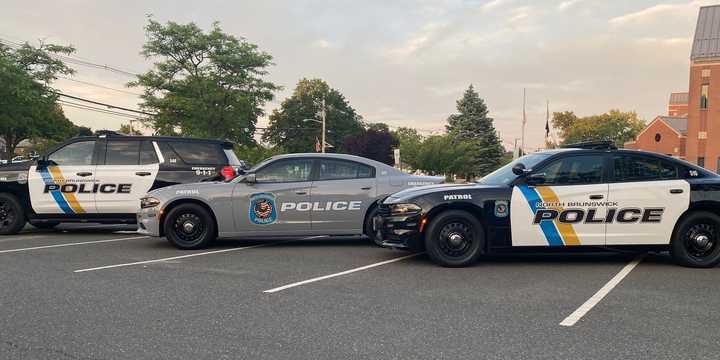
x: 696, y: 242
x: 12, y: 218
x: 455, y: 238
x: 190, y: 226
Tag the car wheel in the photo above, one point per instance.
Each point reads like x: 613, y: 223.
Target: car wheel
x: 12, y: 217
x: 454, y: 238
x: 45, y: 225
x: 696, y: 242
x: 189, y: 226
x: 368, y: 227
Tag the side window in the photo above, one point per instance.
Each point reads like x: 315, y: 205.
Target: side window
x: 78, y: 153
x: 575, y: 170
x: 285, y: 171
x: 638, y: 168
x: 122, y: 152
x: 339, y: 170
x: 147, y: 153
x: 170, y: 156
x: 199, y: 153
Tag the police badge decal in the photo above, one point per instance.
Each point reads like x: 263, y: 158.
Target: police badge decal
x: 262, y: 210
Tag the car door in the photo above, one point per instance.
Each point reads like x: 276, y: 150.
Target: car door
x: 278, y: 202
x: 650, y: 197
x: 567, y: 209
x: 64, y: 182
x: 341, y: 195
x: 127, y: 172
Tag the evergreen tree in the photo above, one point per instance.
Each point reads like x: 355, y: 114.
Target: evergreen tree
x: 473, y: 126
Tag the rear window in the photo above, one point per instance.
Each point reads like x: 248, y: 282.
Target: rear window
x: 198, y: 153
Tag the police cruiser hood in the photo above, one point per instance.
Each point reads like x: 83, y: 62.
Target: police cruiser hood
x: 413, y: 193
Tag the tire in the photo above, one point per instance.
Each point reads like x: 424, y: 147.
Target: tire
x: 190, y: 226
x: 368, y: 227
x: 46, y: 225
x: 456, y: 252
x: 696, y: 241
x: 12, y: 217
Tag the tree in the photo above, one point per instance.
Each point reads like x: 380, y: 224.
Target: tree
x: 375, y: 143
x: 615, y: 125
x: 129, y: 130
x: 254, y: 154
x: 472, y: 125
x: 203, y: 84
x: 410, y: 143
x: 28, y: 106
x: 288, y: 126
x: 444, y: 155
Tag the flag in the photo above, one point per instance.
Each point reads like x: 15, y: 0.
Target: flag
x: 318, y: 147
x: 547, y: 121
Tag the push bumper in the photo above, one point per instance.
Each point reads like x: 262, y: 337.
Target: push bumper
x: 149, y: 221
x: 399, y: 232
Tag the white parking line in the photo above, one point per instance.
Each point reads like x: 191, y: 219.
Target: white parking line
x: 281, y: 288
x: 70, y: 244
x: 173, y: 258
x: 595, y: 299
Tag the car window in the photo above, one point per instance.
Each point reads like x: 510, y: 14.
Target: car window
x: 170, y: 156
x: 339, y: 169
x: 285, y: 171
x: 122, y: 152
x: 640, y: 168
x: 77, y: 153
x: 147, y: 153
x: 198, y: 153
x: 575, y: 170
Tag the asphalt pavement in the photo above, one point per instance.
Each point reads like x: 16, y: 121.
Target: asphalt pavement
x: 105, y: 292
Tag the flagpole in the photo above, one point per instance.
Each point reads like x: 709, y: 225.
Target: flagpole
x: 547, y: 122
x: 524, y: 121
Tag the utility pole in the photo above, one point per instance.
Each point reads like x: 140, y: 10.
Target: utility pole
x: 524, y: 121
x: 323, y: 115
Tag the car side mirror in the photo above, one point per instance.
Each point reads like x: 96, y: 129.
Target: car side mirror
x: 536, y: 179
x: 250, y: 179
x: 520, y: 169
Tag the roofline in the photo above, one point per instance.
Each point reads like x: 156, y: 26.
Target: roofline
x: 658, y: 118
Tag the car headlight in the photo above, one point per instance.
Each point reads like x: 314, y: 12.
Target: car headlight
x: 149, y: 202
x: 404, y: 209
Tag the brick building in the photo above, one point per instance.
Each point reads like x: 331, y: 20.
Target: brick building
x: 700, y: 142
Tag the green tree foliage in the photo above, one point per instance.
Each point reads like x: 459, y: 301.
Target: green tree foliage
x: 204, y: 84
x: 128, y: 129
x: 444, y: 155
x: 615, y: 125
x: 289, y: 129
x: 28, y: 107
x: 472, y: 125
x: 410, y: 144
x: 377, y: 143
x: 254, y: 154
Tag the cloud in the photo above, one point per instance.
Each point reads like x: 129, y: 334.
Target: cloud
x: 492, y: 4
x: 568, y: 4
x: 666, y: 41
x: 323, y: 44
x: 656, y: 11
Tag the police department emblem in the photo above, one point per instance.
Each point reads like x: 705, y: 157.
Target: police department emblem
x: 262, y: 209
x: 501, y: 209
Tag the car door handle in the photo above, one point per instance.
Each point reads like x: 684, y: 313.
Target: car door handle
x: 597, y: 197
x: 143, y: 173
x: 83, y: 173
x: 366, y: 188
x: 301, y: 192
x: 677, y: 191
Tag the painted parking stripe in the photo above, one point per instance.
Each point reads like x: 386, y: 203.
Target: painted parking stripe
x: 366, y: 267
x: 172, y: 258
x: 71, y: 244
x: 595, y: 299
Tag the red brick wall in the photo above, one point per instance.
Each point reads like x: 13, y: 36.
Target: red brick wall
x: 670, y: 142
x: 678, y: 110
x: 704, y: 120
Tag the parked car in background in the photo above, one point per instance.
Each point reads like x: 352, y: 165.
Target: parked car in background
x: 289, y: 195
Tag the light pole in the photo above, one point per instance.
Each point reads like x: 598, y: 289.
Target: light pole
x: 322, y: 116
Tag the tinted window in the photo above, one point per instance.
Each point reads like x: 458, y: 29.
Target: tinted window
x: 504, y: 175
x: 147, y: 153
x: 169, y: 154
x: 79, y: 153
x: 199, y: 153
x: 122, y: 152
x: 575, y: 170
x: 285, y: 171
x: 638, y: 168
x: 338, y: 169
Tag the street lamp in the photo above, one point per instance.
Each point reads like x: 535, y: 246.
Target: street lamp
x: 322, y: 116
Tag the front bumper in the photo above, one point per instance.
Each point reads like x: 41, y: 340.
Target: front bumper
x: 399, y: 232
x: 149, y: 221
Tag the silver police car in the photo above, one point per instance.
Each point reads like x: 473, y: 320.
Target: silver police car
x: 291, y: 195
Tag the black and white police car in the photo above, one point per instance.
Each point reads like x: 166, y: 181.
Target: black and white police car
x: 102, y: 178
x: 584, y: 196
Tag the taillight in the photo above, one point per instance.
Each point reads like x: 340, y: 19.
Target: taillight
x: 228, y: 173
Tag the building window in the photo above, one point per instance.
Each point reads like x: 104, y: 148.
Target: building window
x: 718, y: 166
x: 702, y: 135
x: 705, y: 73
x: 701, y: 162
x: 658, y: 137
x: 704, y: 93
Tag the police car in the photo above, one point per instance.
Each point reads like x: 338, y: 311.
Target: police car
x: 101, y: 178
x: 583, y: 196
x: 291, y: 195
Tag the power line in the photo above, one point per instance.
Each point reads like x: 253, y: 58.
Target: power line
x: 99, y: 86
x: 98, y: 110
x: 103, y: 104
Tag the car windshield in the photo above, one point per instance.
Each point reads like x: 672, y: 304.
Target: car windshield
x: 504, y: 175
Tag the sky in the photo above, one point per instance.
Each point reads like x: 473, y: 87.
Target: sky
x: 404, y: 63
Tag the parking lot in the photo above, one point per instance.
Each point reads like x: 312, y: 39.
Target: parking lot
x: 104, y: 292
